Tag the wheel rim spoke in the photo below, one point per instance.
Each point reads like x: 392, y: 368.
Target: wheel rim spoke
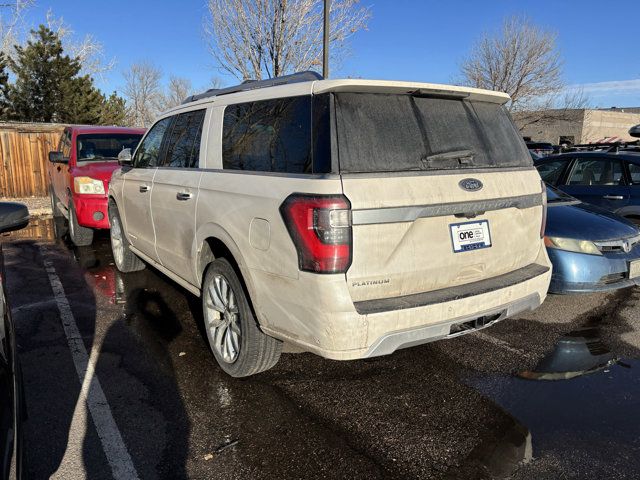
x: 213, y: 300
x: 223, y: 323
x: 234, y: 325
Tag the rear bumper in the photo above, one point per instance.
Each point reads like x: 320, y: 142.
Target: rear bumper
x: 391, y: 342
x: 321, y: 318
x: 91, y: 211
x: 581, y: 273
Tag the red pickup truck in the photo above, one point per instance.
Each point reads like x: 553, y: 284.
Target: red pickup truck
x: 79, y: 174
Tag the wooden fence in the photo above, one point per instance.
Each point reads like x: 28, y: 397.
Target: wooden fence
x: 24, y: 153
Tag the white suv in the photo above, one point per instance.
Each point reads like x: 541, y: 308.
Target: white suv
x: 347, y: 217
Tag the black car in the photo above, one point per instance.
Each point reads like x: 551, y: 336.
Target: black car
x: 610, y: 180
x: 13, y: 216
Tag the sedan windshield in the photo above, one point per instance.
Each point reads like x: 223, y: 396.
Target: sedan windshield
x: 105, y: 146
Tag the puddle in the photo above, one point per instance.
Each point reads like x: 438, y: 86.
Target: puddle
x: 39, y: 228
x: 580, y: 404
x: 576, y: 354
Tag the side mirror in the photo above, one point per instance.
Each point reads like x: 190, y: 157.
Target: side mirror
x: 13, y: 216
x: 56, y: 157
x: 124, y: 157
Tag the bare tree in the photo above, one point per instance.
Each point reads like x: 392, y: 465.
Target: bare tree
x: 12, y: 24
x: 142, y: 92
x: 565, y: 106
x: 88, y: 50
x: 255, y: 39
x: 175, y: 92
x: 521, y: 60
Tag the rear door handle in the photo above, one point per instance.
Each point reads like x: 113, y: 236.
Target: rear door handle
x: 144, y: 188
x: 613, y: 197
x: 184, y: 195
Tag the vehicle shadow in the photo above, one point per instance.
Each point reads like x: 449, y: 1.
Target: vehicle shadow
x: 112, y: 316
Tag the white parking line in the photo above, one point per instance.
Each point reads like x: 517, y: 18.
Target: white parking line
x: 91, y: 392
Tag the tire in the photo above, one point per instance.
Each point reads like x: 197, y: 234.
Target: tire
x: 54, y: 204
x: 236, y: 341
x: 126, y: 261
x: 80, y: 236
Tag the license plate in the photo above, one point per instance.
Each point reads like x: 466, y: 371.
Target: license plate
x: 470, y: 236
x: 634, y: 269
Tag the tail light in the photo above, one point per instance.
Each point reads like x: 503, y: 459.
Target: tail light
x: 320, y: 227
x: 544, y: 209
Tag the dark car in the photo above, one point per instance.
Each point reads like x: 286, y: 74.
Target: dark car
x: 610, y: 180
x: 13, y: 216
x: 590, y: 249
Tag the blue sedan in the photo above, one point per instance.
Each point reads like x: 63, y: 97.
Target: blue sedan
x: 590, y: 248
x: 610, y: 180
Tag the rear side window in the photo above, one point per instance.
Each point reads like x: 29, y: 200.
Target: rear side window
x: 183, y: 148
x: 268, y: 136
x: 597, y: 172
x: 148, y: 152
x: 634, y: 172
x: 551, y: 172
x: 392, y: 132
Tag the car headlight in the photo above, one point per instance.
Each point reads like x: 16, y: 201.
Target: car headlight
x: 88, y: 186
x: 572, y: 245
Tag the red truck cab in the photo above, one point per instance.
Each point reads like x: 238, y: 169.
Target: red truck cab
x: 79, y: 174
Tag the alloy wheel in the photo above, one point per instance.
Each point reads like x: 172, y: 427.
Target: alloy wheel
x: 222, y: 319
x: 117, y: 245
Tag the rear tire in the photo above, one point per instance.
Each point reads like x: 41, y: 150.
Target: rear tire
x: 80, y: 236
x: 238, y: 345
x: 126, y: 261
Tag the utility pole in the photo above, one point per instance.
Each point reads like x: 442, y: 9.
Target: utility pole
x: 325, y: 40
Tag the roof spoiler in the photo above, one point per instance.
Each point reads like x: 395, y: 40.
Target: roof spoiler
x: 308, y: 76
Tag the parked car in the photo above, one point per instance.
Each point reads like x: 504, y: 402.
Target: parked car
x: 79, y: 173
x: 321, y: 213
x: 13, y: 216
x: 610, y: 180
x: 541, y: 148
x: 590, y: 249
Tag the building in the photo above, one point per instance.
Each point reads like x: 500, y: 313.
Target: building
x: 578, y: 126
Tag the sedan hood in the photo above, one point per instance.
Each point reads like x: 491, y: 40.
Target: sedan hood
x: 582, y: 221
x: 98, y: 170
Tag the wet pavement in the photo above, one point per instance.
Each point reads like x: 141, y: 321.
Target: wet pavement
x: 552, y: 394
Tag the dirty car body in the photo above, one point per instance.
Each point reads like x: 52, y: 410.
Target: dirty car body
x: 354, y: 239
x: 590, y: 249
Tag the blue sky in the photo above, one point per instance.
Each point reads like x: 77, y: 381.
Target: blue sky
x: 408, y: 40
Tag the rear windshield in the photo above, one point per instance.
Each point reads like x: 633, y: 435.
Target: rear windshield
x: 394, y: 133
x: 105, y: 146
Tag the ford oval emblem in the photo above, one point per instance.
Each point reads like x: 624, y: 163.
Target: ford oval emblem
x: 470, y: 184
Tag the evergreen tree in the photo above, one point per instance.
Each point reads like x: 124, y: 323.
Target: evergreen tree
x: 82, y: 104
x: 4, y: 87
x: 43, y: 78
x: 113, y: 110
x: 48, y: 87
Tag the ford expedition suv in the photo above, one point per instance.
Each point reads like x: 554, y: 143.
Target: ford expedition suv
x: 79, y: 173
x: 350, y: 218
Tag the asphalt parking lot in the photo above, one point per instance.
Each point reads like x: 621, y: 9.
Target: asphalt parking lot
x: 552, y: 394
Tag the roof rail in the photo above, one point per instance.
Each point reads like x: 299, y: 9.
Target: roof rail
x: 308, y: 76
